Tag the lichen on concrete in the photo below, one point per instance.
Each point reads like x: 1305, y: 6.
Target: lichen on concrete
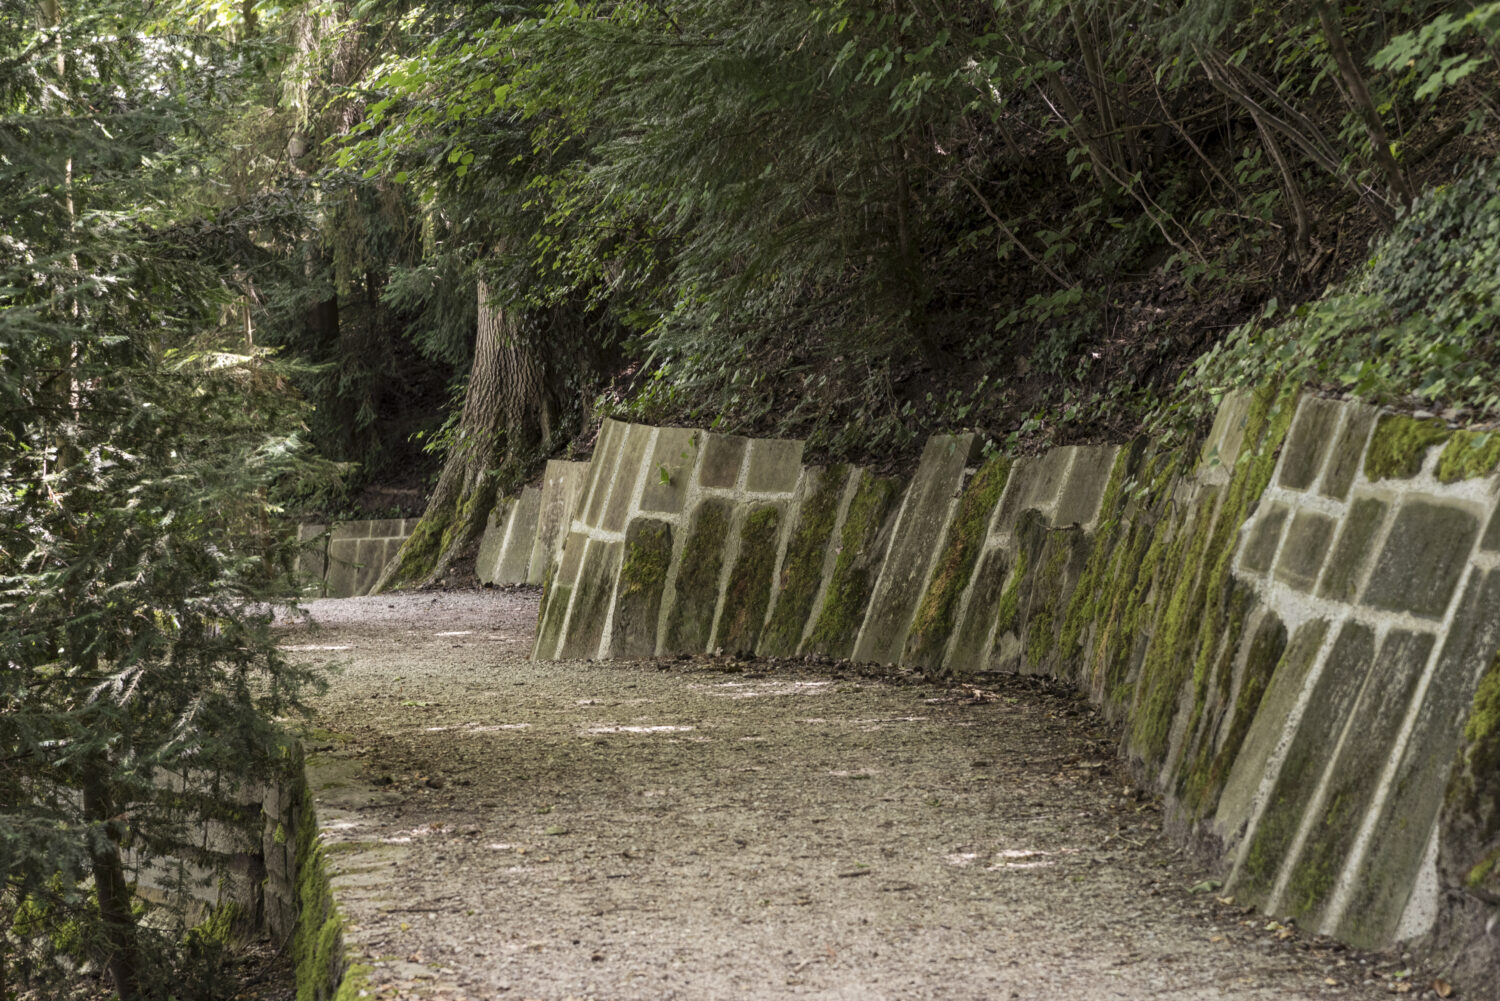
x: 934, y: 620
x: 1474, y: 791
x: 1192, y: 620
x: 748, y: 593
x: 697, y: 586
x: 848, y: 593
x: 1399, y: 445
x: 802, y: 569
x: 1048, y: 595
x: 643, y: 578
x: 1008, y: 612
x: 1090, y: 594
x: 1203, y: 780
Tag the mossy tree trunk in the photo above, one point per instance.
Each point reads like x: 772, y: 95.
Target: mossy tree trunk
x: 507, y: 415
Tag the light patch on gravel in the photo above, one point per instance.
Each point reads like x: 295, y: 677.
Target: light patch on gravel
x: 619, y: 831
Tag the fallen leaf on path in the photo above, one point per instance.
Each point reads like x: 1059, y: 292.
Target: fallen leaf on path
x: 1442, y: 988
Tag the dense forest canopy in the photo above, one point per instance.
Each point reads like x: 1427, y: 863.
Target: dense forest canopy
x: 260, y: 260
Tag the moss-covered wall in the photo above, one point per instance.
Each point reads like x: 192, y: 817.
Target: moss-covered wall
x: 1290, y: 620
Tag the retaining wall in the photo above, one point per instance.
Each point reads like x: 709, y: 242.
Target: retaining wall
x: 346, y: 559
x: 1291, y: 621
x: 524, y: 534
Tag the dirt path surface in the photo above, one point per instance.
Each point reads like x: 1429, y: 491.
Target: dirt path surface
x: 712, y: 829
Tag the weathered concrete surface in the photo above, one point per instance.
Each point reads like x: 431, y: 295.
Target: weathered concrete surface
x: 509, y: 540
x: 562, y: 486
x: 501, y: 828
x: 347, y: 559
x: 921, y: 524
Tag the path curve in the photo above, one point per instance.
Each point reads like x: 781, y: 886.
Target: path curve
x: 704, y: 829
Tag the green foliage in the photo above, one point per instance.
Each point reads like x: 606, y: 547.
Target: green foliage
x: 785, y: 209
x: 1418, y: 323
x: 143, y: 441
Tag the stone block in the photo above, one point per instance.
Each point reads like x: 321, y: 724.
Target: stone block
x: 1035, y: 484
x: 557, y: 596
x: 1354, y: 549
x: 695, y: 594
x: 562, y: 487
x: 597, y: 574
x: 671, y: 466
x: 633, y: 448
x: 1353, y: 775
x: 1491, y: 541
x: 747, y: 593
x: 342, y: 578
x: 1348, y: 450
x: 933, y: 624
x: 1425, y: 553
x: 520, y: 537
x: 775, y: 464
x: 1222, y: 449
x: 969, y: 653
x: 1312, y: 748
x: 487, y: 563
x: 308, y: 532
x: 1078, y: 502
x: 1389, y: 870
x: 350, y: 530
x: 863, y: 539
x: 1307, y: 443
x: 802, y: 569
x: 1265, y: 538
x: 1306, y: 546
x: 387, y: 528
x: 923, y: 520
x: 602, y: 471
x: 723, y: 455
x: 643, y: 580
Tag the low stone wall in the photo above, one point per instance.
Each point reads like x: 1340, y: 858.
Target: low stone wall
x: 524, y: 534
x: 1291, y: 622
x: 245, y: 856
x: 346, y: 559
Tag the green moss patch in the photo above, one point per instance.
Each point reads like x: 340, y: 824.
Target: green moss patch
x: 748, y: 593
x: 1048, y: 595
x: 1196, y: 616
x: 802, y: 569
x: 934, y: 620
x: 1203, y: 779
x: 1469, y: 455
x: 1477, y: 781
x: 317, y: 943
x: 697, y: 589
x: 1310, y: 753
x: 860, y: 552
x: 643, y: 579
x: 1090, y: 594
x: 1399, y: 445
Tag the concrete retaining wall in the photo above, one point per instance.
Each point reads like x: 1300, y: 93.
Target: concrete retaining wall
x: 346, y: 559
x: 524, y: 534
x: 1290, y: 620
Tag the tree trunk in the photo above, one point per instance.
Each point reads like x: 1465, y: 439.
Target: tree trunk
x: 122, y: 956
x: 1364, y: 104
x: 507, y: 417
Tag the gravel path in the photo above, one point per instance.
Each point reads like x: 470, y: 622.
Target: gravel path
x: 710, y: 829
